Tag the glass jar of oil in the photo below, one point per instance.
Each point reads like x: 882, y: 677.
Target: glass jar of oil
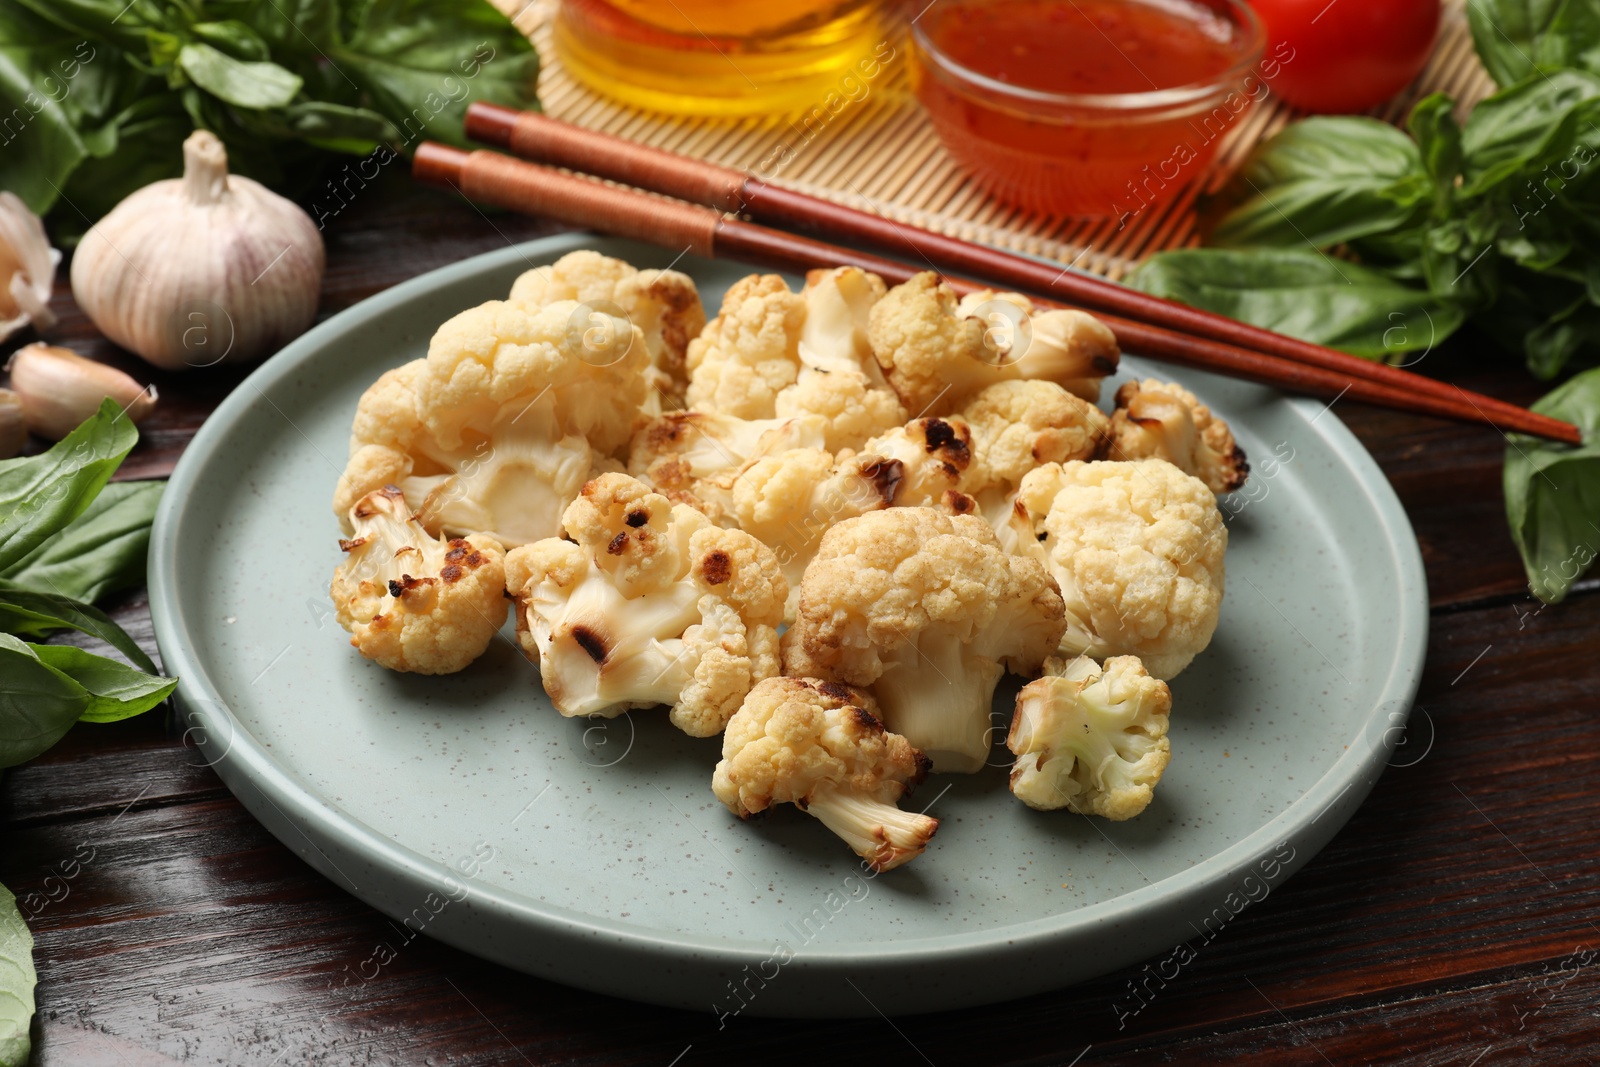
x: 718, y: 57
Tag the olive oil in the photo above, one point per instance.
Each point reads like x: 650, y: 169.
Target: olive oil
x: 718, y: 57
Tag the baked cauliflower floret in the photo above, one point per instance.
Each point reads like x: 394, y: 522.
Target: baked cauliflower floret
x: 1017, y: 426
x: 1166, y: 421
x: 936, y: 461
x: 816, y: 745
x: 937, y: 354
x: 664, y: 304
x: 1138, y: 551
x: 927, y: 610
x: 498, y: 428
x: 838, y: 378
x: 648, y: 604
x: 1090, y: 739
x: 789, y: 500
x: 1069, y: 347
x: 693, y: 457
x: 749, y: 352
x: 851, y: 408
x: 411, y: 602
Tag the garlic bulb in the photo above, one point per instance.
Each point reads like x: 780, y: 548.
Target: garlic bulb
x: 27, y: 268
x: 13, y: 430
x: 59, y: 389
x: 192, y: 271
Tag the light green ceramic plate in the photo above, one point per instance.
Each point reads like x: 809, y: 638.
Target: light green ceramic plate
x: 595, y: 854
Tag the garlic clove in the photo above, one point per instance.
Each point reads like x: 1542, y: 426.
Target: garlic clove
x: 13, y: 427
x: 193, y: 271
x: 59, y: 389
x: 27, y: 268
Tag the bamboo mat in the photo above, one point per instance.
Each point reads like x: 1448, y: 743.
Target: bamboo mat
x: 881, y: 155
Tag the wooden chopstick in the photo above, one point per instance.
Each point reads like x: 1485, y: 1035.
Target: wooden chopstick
x: 542, y: 139
x: 492, y: 178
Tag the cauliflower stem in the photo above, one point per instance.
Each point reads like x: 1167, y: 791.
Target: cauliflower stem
x: 879, y: 833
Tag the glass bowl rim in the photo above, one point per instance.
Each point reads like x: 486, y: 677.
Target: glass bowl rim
x: 963, y: 76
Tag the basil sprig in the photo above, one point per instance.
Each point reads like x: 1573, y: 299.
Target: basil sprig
x: 63, y: 535
x: 1350, y: 233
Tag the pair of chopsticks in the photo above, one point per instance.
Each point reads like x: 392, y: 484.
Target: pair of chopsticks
x: 702, y: 217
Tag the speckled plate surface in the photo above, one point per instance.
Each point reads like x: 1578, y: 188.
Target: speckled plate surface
x: 595, y: 854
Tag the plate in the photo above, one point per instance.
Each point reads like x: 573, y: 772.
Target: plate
x: 593, y: 853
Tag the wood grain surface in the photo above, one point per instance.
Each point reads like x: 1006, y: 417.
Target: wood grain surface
x: 1450, y: 923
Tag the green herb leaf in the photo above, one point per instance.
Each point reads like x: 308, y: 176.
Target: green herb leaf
x: 1322, y: 182
x: 1433, y: 124
x: 233, y: 37
x: 38, y: 704
x: 1553, y: 492
x: 1305, y: 295
x: 117, y: 690
x: 1519, y: 38
x: 40, y: 614
x: 424, y: 61
x: 39, y: 142
x: 102, y: 551
x: 240, y: 83
x: 17, y: 981
x: 1514, y: 135
x: 39, y: 495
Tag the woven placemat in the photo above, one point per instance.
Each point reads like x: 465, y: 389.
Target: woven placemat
x: 880, y: 153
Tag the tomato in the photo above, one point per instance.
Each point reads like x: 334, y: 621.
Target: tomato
x: 1347, y: 55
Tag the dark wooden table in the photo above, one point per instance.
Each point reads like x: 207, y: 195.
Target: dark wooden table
x: 1450, y: 923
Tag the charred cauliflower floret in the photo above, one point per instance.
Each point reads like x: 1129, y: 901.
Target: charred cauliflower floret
x: 816, y: 745
x: 411, y: 602
x: 1160, y: 420
x: 664, y: 304
x: 749, y: 352
x: 693, y: 457
x: 1137, y: 549
x: 790, y: 499
x: 648, y: 604
x: 500, y: 426
x: 925, y: 609
x: 936, y: 458
x: 937, y: 352
x: 1091, y: 739
x: 838, y: 378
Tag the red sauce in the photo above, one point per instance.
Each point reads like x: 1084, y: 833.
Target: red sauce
x: 1089, y: 46
x: 1075, y: 158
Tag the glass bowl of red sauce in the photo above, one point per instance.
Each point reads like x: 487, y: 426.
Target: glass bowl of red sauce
x: 1090, y: 108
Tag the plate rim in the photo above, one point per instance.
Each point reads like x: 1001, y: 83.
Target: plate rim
x: 259, y: 771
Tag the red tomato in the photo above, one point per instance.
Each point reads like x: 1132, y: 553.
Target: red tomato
x: 1347, y: 55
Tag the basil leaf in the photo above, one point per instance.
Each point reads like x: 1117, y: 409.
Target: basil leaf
x: 1433, y: 124
x: 41, y: 494
x: 102, y: 551
x: 233, y: 37
x: 118, y: 21
x: 240, y: 83
x: 1517, y: 39
x: 1530, y: 127
x: 424, y: 61
x: 39, y: 144
x: 117, y: 691
x: 1553, y: 492
x: 1324, y: 181
x: 17, y: 981
x: 38, y: 704
x: 41, y: 614
x: 1305, y: 295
